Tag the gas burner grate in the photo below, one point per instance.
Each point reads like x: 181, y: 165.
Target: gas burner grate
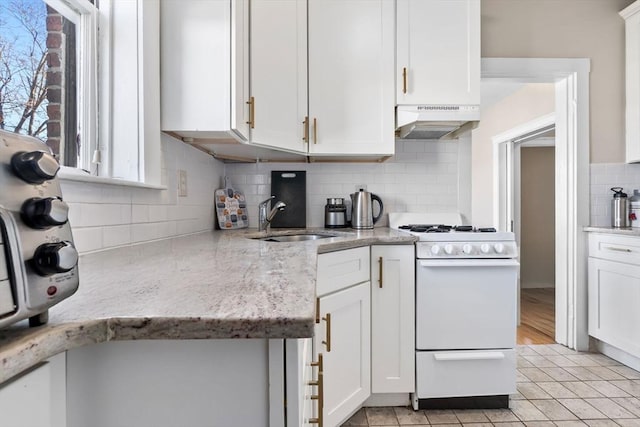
x: 442, y: 228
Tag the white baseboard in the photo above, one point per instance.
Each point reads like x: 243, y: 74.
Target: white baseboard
x: 617, y: 354
x: 387, y: 399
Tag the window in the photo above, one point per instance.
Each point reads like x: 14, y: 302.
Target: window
x: 46, y: 75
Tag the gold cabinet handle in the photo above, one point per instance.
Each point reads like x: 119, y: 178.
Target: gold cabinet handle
x: 252, y: 112
x: 319, y: 363
x: 317, y: 310
x: 315, y: 130
x: 320, y: 396
x: 380, y: 278
x: 404, y: 80
x: 327, y: 342
x: 305, y: 133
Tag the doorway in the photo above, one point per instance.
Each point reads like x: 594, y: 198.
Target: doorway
x: 527, y: 172
x: 571, y: 81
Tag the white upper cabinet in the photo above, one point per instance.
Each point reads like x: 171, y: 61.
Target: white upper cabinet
x: 438, y: 52
x: 279, y: 73
x: 204, y: 64
x: 632, y: 71
x: 351, y: 61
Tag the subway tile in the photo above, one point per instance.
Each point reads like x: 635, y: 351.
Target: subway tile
x: 87, y: 239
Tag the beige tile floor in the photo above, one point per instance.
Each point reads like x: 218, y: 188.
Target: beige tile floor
x: 556, y: 386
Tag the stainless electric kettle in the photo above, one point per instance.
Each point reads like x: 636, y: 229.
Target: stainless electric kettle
x: 362, y: 210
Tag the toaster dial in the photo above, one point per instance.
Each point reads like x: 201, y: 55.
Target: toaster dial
x: 52, y: 258
x: 34, y: 167
x: 43, y: 213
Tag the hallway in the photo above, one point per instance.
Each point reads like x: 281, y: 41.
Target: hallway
x: 537, y: 316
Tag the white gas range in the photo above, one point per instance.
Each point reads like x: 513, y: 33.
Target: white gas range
x: 466, y: 290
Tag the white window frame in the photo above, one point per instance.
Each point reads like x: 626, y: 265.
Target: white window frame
x: 84, y: 15
x: 141, y: 149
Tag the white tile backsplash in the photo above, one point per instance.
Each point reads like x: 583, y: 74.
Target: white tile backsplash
x: 604, y: 176
x: 104, y: 216
x: 422, y: 176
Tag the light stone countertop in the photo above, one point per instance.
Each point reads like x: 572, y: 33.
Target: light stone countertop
x: 217, y: 284
x: 611, y: 230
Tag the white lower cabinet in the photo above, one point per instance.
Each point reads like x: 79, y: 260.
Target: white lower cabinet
x: 614, y: 291
x: 37, y: 397
x: 343, y: 338
x: 392, y: 319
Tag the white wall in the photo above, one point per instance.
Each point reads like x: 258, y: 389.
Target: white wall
x: 422, y: 176
x: 528, y: 103
x: 104, y: 216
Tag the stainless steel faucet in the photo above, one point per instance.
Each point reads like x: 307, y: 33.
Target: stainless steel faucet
x: 265, y: 216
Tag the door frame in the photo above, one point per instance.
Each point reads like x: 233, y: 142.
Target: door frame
x: 571, y: 79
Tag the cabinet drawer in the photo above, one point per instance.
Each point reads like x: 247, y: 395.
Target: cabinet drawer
x: 338, y: 270
x: 615, y: 247
x: 465, y: 373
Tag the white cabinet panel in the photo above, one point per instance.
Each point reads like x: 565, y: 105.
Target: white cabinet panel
x: 351, y: 100
x: 220, y: 382
x: 393, y: 319
x: 300, y: 407
x: 632, y: 81
x: 614, y: 298
x: 343, y: 336
x: 279, y: 73
x: 36, y: 398
x: 438, y: 43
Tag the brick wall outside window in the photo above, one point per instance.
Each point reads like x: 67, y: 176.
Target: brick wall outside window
x: 55, y: 80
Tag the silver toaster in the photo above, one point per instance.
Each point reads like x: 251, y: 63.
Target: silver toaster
x: 38, y: 261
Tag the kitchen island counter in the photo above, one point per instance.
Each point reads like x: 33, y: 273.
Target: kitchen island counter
x: 211, y: 285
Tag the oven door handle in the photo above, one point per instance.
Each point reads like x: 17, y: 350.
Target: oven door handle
x: 457, y: 356
x: 468, y: 263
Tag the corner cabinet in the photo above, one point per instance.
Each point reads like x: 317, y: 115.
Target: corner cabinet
x: 343, y: 333
x: 631, y: 16
x: 614, y: 290
x: 393, y: 319
x: 204, y: 63
x: 438, y: 52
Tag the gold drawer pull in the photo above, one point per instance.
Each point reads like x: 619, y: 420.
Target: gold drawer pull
x: 328, y: 332
x: 252, y: 112
x: 305, y: 133
x: 315, y: 130
x: 380, y: 278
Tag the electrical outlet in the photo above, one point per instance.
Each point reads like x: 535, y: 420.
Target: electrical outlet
x: 359, y: 186
x: 182, y: 183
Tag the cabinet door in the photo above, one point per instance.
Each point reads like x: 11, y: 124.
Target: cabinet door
x: 351, y: 102
x: 204, y: 63
x: 392, y: 319
x: 36, y: 398
x: 439, y: 45
x: 279, y: 73
x: 343, y: 338
x: 614, y: 297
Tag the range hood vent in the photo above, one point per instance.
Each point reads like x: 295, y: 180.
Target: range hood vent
x: 435, y: 121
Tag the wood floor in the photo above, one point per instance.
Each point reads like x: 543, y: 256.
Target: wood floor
x: 537, y: 316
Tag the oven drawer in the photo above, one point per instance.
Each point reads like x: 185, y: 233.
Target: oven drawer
x: 341, y: 269
x: 465, y: 373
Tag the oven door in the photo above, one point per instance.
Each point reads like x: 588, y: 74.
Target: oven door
x: 466, y: 304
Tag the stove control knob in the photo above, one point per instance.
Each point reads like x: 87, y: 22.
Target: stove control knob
x: 435, y: 249
x: 448, y: 249
x: 34, y: 167
x: 485, y: 248
x: 499, y: 247
x: 44, y: 213
x: 52, y: 258
x: 467, y: 249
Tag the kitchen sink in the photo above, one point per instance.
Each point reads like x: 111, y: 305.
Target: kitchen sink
x: 294, y: 237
